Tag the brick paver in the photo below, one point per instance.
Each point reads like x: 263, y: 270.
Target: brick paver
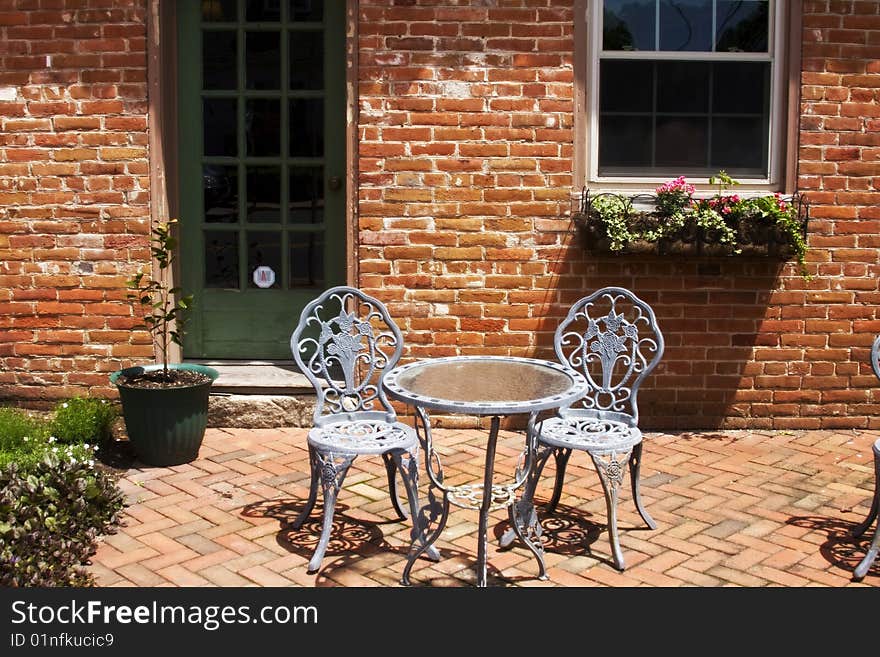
x: 740, y: 508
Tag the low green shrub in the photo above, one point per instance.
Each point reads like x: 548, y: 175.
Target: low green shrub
x: 50, y: 516
x: 23, y: 438
x: 82, y: 420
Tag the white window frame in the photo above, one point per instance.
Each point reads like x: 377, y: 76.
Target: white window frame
x: 783, y: 93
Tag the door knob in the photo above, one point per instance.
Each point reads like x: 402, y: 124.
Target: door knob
x: 335, y: 183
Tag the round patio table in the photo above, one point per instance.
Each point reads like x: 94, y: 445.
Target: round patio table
x: 493, y: 386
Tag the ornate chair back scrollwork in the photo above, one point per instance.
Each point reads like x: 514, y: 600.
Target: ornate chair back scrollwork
x: 612, y: 338
x: 874, y: 548
x: 344, y: 344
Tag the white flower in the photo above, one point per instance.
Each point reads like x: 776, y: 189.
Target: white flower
x: 86, y: 445
x: 64, y: 405
x: 25, y: 439
x: 51, y: 439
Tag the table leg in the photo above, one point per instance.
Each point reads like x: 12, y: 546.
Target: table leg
x: 487, y: 500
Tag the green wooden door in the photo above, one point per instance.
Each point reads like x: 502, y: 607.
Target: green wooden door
x: 262, y: 167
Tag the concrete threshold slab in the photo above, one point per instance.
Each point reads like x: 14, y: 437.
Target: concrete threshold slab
x: 258, y: 377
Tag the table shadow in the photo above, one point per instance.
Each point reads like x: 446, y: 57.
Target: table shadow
x: 841, y: 549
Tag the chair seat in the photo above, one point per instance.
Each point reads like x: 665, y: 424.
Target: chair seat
x: 589, y: 434
x: 363, y: 437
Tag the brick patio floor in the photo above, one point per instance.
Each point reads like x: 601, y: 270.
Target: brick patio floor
x: 733, y: 508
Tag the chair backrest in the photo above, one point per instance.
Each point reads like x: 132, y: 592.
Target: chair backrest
x: 875, y: 356
x: 612, y: 338
x: 344, y: 343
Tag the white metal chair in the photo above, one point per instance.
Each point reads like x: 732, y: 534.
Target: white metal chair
x: 612, y: 338
x: 865, y: 564
x: 344, y: 343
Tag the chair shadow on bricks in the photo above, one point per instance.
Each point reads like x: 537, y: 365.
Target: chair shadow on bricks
x: 840, y: 548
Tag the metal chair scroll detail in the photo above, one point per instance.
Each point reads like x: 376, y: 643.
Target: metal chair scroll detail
x: 865, y: 564
x: 611, y: 337
x: 344, y: 343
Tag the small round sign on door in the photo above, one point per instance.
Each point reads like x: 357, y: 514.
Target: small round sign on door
x: 264, y: 276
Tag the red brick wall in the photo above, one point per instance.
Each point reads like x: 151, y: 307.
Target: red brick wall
x: 465, y: 170
x: 74, y: 192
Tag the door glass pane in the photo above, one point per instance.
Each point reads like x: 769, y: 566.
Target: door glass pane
x: 742, y: 26
x: 220, y: 133
x: 263, y: 60
x: 220, y: 187
x: 306, y: 60
x: 218, y: 10
x: 263, y: 127
x: 306, y: 259
x: 221, y: 259
x: 306, y: 127
x: 306, y: 10
x: 219, y: 60
x: 264, y: 250
x: 686, y: 25
x: 263, y: 11
x: 629, y: 25
x: 264, y: 194
x: 306, y: 192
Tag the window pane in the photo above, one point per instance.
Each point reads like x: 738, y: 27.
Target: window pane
x: 626, y: 86
x: 218, y: 10
x: 306, y: 127
x: 263, y: 11
x: 306, y: 60
x: 625, y: 141
x: 220, y: 188
x: 306, y: 195
x: 264, y: 250
x: 686, y: 25
x: 221, y: 259
x: 220, y: 132
x: 629, y: 25
x: 739, y: 145
x: 263, y: 127
x: 264, y: 194
x: 742, y: 26
x: 682, y: 141
x: 306, y: 10
x: 683, y: 86
x: 218, y: 60
x: 742, y: 87
x: 263, y: 60
x: 306, y: 259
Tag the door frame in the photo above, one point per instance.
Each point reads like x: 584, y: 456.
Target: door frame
x: 162, y: 121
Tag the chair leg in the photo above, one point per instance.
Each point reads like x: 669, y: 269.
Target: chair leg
x: 875, y: 504
x: 313, y: 490
x: 333, y: 470
x: 562, y: 455
x: 408, y: 466
x: 391, y: 470
x: 612, y: 469
x: 635, y: 466
x: 862, y: 569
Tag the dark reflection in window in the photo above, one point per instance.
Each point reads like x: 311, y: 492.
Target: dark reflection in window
x: 740, y: 143
x: 306, y: 195
x: 683, y: 86
x: 682, y: 141
x: 625, y: 141
x: 306, y: 259
x: 742, y: 87
x: 218, y: 60
x: 264, y: 194
x: 263, y: 127
x: 221, y: 259
x: 306, y: 60
x: 306, y: 10
x: 263, y: 11
x: 629, y: 25
x: 306, y: 127
x: 220, y: 187
x: 635, y: 94
x: 264, y: 250
x: 219, y: 126
x: 686, y: 25
x: 742, y: 26
x: 263, y: 60
x: 218, y: 10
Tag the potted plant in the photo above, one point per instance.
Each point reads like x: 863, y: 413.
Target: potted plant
x: 165, y: 405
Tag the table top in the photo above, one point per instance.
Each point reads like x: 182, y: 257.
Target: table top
x: 485, y: 385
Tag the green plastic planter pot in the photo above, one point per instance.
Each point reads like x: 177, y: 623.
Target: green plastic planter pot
x: 165, y: 425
